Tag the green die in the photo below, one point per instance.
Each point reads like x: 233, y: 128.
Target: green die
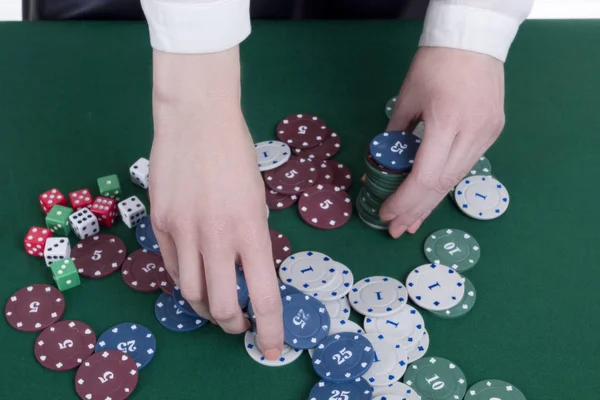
x: 57, y: 220
x: 109, y: 187
x: 65, y: 274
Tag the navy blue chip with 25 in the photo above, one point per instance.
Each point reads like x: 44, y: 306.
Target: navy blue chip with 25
x: 305, y: 321
x: 145, y: 235
x: 133, y: 339
x: 356, y: 389
x: 242, y: 287
x: 171, y: 317
x: 343, y: 357
x: 395, y: 150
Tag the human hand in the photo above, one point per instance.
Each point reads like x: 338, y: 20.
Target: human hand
x: 460, y: 96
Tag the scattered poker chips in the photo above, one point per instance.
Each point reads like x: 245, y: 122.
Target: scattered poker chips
x: 325, y: 207
x: 181, y: 303
x: 164, y: 280
x: 145, y: 236
x: 288, y: 354
x: 342, y: 177
x: 34, y: 308
x: 339, y: 326
x: 109, y: 374
x: 338, y: 308
x: 417, y: 352
x: 302, y: 131
x: 454, y: 248
x: 343, y: 357
x: 282, y: 248
x: 435, y: 287
x: 305, y: 321
x: 140, y: 270
x: 294, y: 177
x: 271, y: 154
x: 324, y: 150
x: 396, y: 389
x: 465, y: 305
x: 133, y: 339
x: 99, y: 256
x: 339, y: 287
x: 307, y: 270
x: 64, y: 345
x: 357, y: 389
x: 390, y: 360
x: 279, y: 201
x: 378, y: 296
x: 494, y: 389
x: 481, y: 197
x: 407, y: 326
x: 395, y: 150
x: 436, y: 378
x: 171, y: 317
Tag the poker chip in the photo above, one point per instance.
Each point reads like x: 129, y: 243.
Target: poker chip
x: 343, y: 357
x: 294, y: 177
x: 481, y: 197
x: 140, y: 270
x: 454, y: 248
x: 342, y: 177
x: 164, y: 280
x: 378, y: 296
x: 389, y: 360
x: 494, y: 389
x: 340, y: 286
x: 407, y: 325
x: 357, y: 389
x: 482, y: 167
x: 389, y: 107
x: 64, y: 345
x: 325, y: 172
x: 279, y: 201
x: 34, y: 308
x: 417, y: 352
x: 271, y: 154
x: 144, y: 233
x: 133, y: 339
x: 288, y: 354
x: 436, y: 378
x: 465, y: 305
x: 305, y: 321
x: 395, y: 150
x: 419, y: 130
x: 325, y: 207
x: 302, y: 131
x: 182, y: 304
x: 325, y: 150
x: 172, y: 318
x: 307, y: 270
x: 99, y: 256
x: 243, y: 294
x: 341, y: 325
x: 435, y: 287
x: 339, y: 308
x: 109, y: 374
x: 282, y: 248
x: 397, y: 390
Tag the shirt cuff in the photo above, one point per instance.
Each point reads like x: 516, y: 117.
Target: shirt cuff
x: 469, y: 28
x: 197, y: 27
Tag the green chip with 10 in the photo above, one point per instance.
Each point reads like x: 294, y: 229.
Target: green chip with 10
x: 453, y: 248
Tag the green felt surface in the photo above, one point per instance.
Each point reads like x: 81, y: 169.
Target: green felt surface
x: 75, y: 105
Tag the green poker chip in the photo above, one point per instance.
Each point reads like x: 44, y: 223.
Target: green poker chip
x: 462, y: 308
x: 482, y: 167
x: 389, y: 107
x: 453, y: 248
x: 494, y: 389
x: 436, y: 378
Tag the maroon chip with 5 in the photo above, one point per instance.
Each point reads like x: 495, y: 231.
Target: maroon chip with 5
x: 293, y: 177
x: 99, y: 256
x: 325, y: 171
x: 302, y: 131
x: 109, y: 374
x: 329, y: 148
x: 140, y: 270
x: 342, y: 177
x: 34, y: 308
x: 64, y: 345
x: 164, y: 280
x: 282, y: 248
x: 279, y: 201
x: 325, y: 207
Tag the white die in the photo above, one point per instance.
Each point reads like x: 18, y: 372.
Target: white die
x: 84, y: 223
x: 140, y: 172
x: 131, y: 211
x: 57, y: 248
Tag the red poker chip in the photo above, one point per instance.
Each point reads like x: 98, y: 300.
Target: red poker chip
x: 325, y: 207
x: 282, y: 248
x: 140, y: 270
x: 293, y: 177
x: 64, y: 345
x: 302, y: 131
x: 35, y: 307
x: 325, y: 171
x: 109, y: 374
x: 279, y: 201
x: 164, y: 280
x: 99, y: 256
x: 371, y: 161
x: 329, y: 148
x: 342, y: 177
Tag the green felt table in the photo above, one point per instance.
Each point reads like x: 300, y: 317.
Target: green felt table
x: 75, y: 104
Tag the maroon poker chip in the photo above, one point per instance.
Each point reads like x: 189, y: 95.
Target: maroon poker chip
x: 164, y: 280
x: 35, y: 307
x: 282, y: 248
x: 279, y: 201
x: 64, y: 345
x: 329, y: 148
x: 325, y: 171
x: 325, y: 207
x: 140, y: 270
x: 302, y: 131
x: 293, y: 177
x: 371, y: 161
x: 99, y: 256
x: 342, y: 177
x: 109, y: 374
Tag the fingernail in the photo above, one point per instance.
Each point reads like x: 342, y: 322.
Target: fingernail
x: 272, y: 354
x: 387, y: 217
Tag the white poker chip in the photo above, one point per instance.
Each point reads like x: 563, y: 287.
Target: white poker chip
x: 288, y: 354
x: 271, y: 154
x: 396, y: 390
x: 308, y: 271
x: 340, y: 287
x: 419, y: 130
x: 435, y: 287
x: 390, y: 361
x: 339, y: 326
x: 378, y: 296
x: 481, y: 197
x: 419, y: 350
x: 407, y: 325
x: 338, y: 309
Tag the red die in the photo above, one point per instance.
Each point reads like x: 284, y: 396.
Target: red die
x: 80, y: 199
x: 36, y: 240
x: 105, y: 210
x: 51, y: 198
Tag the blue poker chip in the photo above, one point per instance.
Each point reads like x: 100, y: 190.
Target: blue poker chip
x: 343, y: 357
x: 242, y: 287
x: 284, y: 290
x: 145, y: 235
x: 305, y: 321
x: 356, y: 389
x: 181, y: 303
x: 171, y: 317
x: 395, y: 150
x: 133, y: 339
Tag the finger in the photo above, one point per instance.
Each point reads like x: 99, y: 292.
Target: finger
x: 404, y: 115
x: 168, y: 251
x: 191, y: 276
x: 415, y: 227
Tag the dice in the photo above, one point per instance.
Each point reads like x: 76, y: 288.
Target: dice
x: 65, y: 274
x: 105, y: 210
x: 51, y: 198
x: 132, y: 210
x: 109, y: 186
x: 84, y: 223
x: 140, y: 172
x: 57, y: 248
x: 57, y: 220
x: 35, y: 240
x: 81, y: 199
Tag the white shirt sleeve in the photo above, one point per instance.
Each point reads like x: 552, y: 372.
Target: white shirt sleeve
x: 483, y: 26
x: 197, y: 26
